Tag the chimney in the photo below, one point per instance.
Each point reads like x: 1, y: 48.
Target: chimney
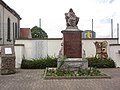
x: 40, y: 22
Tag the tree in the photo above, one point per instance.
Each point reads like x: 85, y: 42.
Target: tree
x: 37, y: 32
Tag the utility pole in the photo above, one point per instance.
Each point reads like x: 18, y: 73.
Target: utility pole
x: 92, y: 28
x: 118, y: 32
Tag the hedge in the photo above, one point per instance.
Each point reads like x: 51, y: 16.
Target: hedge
x: 52, y: 62
x: 39, y: 63
x: 104, y: 63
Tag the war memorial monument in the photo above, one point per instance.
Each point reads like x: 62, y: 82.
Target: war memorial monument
x: 72, y: 43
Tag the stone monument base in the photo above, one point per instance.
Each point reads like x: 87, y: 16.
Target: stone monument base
x: 8, y: 65
x: 73, y: 63
x: 7, y: 60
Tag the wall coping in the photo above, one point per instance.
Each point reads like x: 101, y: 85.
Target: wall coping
x: 114, y: 45
x: 39, y: 39
x: 19, y: 44
x: 100, y: 38
x: 14, y: 44
x: 61, y: 39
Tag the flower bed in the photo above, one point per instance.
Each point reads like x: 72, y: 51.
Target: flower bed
x: 91, y: 73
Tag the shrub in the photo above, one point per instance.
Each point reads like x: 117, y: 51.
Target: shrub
x: 39, y: 63
x: 104, y: 63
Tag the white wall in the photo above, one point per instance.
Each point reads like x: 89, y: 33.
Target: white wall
x: 19, y: 53
x: 54, y: 47
x: 32, y: 48
x: 90, y: 49
x: 114, y: 54
x: 51, y: 47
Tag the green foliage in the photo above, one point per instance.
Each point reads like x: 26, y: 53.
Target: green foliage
x: 61, y: 59
x: 39, y: 63
x: 105, y: 63
x: 51, y: 72
x: 89, y: 72
x: 80, y: 72
x: 63, y: 72
x: 60, y: 72
x: 37, y: 32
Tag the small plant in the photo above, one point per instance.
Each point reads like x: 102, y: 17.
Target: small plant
x: 64, y: 72
x: 89, y: 72
x: 61, y: 61
x: 60, y: 72
x: 81, y: 72
x: 51, y: 72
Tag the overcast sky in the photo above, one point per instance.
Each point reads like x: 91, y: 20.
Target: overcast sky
x: 52, y: 15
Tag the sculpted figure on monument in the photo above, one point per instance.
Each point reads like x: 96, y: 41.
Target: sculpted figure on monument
x: 71, y: 18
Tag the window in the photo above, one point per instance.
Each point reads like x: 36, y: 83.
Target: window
x: 8, y: 29
x: 16, y: 32
x: 13, y: 32
x: 0, y: 27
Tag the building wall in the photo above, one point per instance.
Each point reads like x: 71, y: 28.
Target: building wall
x: 0, y: 57
x: 25, y: 33
x: 88, y: 34
x: 114, y: 52
x: 4, y: 15
x: 1, y: 24
x: 13, y: 19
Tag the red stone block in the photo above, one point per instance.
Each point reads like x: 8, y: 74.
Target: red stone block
x: 72, y: 44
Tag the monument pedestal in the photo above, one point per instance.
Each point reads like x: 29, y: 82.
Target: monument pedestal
x: 72, y: 50
x: 72, y: 43
x: 73, y: 63
x: 7, y: 60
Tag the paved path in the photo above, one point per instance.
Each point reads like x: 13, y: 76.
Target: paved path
x: 32, y: 80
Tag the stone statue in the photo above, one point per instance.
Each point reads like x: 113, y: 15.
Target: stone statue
x: 71, y: 19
